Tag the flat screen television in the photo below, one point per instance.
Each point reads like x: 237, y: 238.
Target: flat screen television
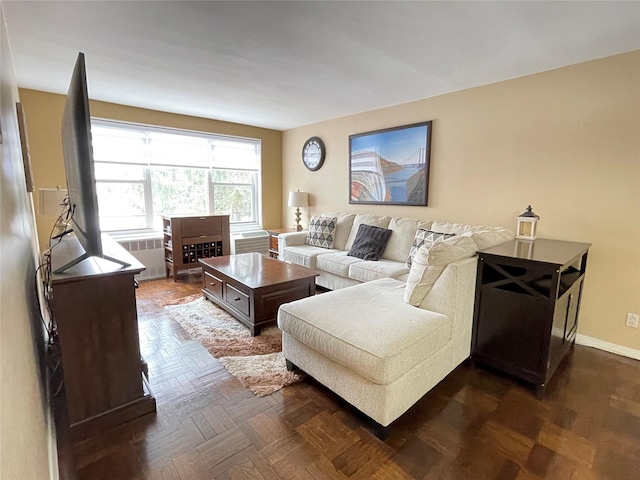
x: 79, y: 168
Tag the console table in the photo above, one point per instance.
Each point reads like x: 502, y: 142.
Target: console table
x: 526, y: 309
x: 94, y: 307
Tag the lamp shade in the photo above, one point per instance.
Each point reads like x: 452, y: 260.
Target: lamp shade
x: 50, y: 201
x: 298, y: 199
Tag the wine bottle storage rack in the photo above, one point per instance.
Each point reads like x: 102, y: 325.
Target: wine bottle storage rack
x: 191, y: 253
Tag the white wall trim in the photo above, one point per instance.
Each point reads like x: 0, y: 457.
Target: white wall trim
x: 53, y: 445
x: 607, y: 347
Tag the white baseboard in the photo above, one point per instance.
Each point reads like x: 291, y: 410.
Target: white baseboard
x: 52, y: 447
x: 607, y: 347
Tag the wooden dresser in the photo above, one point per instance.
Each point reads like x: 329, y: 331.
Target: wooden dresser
x: 94, y: 307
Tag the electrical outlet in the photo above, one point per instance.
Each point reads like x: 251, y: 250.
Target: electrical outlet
x: 632, y: 320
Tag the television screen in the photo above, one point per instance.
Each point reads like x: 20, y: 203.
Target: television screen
x: 79, y: 167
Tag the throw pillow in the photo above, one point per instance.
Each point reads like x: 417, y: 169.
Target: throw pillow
x: 370, y: 242
x: 427, y: 237
x: 429, y: 263
x: 322, y: 231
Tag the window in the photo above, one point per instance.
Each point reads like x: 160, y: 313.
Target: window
x: 145, y: 172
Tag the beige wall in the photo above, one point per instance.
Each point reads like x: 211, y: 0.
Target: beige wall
x: 27, y: 440
x: 43, y: 112
x: 565, y: 141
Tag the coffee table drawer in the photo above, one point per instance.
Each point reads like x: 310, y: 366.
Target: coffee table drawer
x: 212, y: 284
x: 238, y: 299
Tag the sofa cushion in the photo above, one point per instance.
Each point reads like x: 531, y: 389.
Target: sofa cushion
x: 366, y: 271
x: 429, y: 263
x: 456, y: 228
x: 482, y: 235
x: 427, y: 237
x: 489, y: 238
x: 343, y: 228
x: 370, y: 242
x: 336, y: 262
x: 400, y: 241
x: 305, y: 255
x: 391, y: 338
x: 375, y: 220
x: 322, y: 231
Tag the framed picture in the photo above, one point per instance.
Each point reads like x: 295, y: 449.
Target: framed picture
x: 24, y: 144
x: 391, y: 166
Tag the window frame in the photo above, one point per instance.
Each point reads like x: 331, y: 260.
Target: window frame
x: 148, y: 164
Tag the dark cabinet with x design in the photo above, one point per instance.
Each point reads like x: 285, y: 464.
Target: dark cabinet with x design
x: 526, y: 309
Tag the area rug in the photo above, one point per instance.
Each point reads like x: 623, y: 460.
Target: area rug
x: 257, y: 362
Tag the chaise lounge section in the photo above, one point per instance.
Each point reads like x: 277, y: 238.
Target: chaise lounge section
x: 382, y: 344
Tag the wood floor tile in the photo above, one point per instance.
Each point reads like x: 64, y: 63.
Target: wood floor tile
x: 510, y: 442
x: 482, y: 462
x: 190, y: 465
x: 222, y: 446
x: 476, y: 424
x: 222, y: 469
x: 518, y: 420
x: 616, y: 465
x: 263, y: 430
x: 283, y: 448
x: 547, y: 463
x: 327, y: 435
x: 416, y: 457
x: 568, y: 444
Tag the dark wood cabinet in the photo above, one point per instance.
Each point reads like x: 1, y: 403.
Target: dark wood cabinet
x: 273, y: 239
x: 527, y: 304
x: 188, y: 239
x: 94, y: 308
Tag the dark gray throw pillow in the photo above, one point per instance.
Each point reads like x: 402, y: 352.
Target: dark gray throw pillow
x: 370, y: 242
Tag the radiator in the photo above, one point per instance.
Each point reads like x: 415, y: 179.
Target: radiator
x: 246, y: 242
x: 150, y: 253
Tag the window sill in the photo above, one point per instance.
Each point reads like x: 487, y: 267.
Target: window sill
x: 130, y: 235
x: 151, y: 234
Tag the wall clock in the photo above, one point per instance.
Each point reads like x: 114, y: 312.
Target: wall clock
x: 313, y: 153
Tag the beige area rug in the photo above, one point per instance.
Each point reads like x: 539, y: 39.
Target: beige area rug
x: 257, y: 362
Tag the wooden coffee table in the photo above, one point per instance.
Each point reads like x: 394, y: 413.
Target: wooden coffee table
x: 251, y: 286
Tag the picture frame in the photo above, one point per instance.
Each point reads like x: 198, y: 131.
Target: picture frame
x: 390, y: 166
x: 24, y: 145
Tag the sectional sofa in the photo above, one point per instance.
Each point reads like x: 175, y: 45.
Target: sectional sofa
x: 391, y: 328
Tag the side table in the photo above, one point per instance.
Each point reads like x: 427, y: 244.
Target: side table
x: 273, y: 239
x: 526, y: 308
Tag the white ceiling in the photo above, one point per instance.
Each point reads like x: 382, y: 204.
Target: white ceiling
x: 285, y: 64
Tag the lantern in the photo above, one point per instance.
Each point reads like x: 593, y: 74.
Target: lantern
x: 527, y: 225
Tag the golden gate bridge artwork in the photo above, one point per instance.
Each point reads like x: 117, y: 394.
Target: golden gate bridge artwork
x: 390, y: 167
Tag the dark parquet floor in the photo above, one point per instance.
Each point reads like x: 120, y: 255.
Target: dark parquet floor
x: 475, y: 424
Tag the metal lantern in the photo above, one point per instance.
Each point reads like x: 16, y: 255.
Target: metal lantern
x: 527, y: 225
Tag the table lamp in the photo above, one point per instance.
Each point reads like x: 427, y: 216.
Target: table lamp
x: 298, y: 199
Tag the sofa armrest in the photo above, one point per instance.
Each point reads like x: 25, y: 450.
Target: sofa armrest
x: 457, y: 280
x: 453, y: 294
x: 290, y: 239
